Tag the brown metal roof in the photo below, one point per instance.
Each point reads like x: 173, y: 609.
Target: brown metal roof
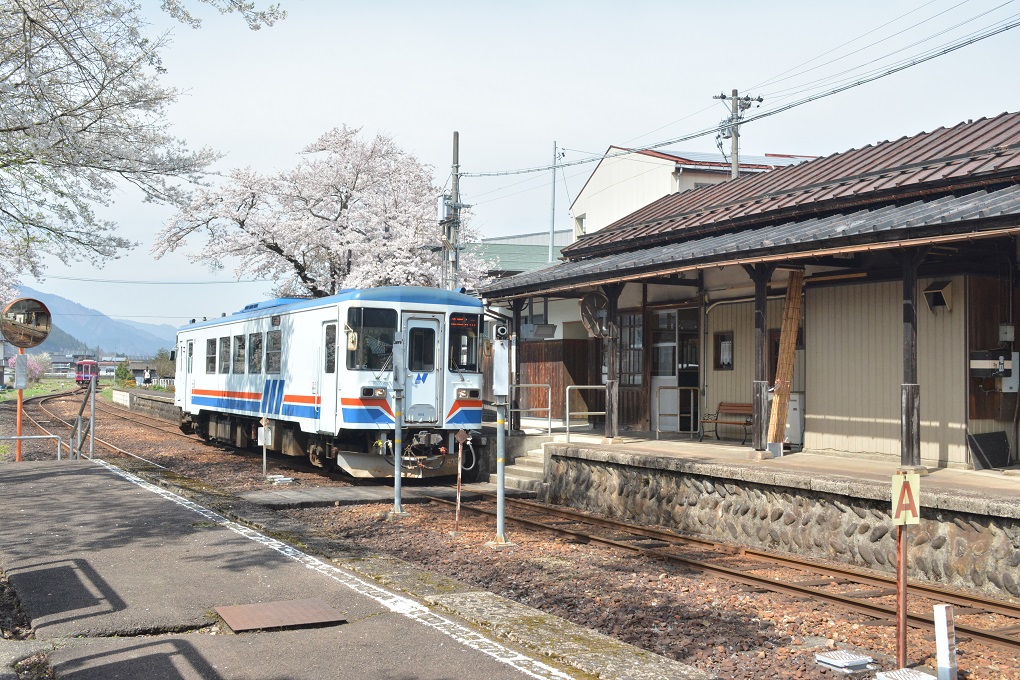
x: 969, y: 155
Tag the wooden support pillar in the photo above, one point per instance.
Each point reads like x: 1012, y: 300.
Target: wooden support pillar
x: 910, y: 391
x: 760, y: 274
x: 517, y: 306
x: 612, y: 292
x: 784, y: 365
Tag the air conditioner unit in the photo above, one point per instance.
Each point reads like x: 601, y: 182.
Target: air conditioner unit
x: 537, y: 331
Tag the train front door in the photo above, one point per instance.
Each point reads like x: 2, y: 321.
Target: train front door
x: 327, y: 387
x: 423, y: 368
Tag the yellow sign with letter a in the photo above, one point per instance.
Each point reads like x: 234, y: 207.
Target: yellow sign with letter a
x: 906, y: 499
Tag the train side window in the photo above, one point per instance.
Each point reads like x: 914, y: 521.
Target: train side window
x: 210, y: 355
x: 464, y: 334
x: 422, y: 350
x: 254, y: 353
x: 225, y: 355
x: 330, y: 354
x: 239, y: 355
x: 191, y: 351
x: 274, y: 351
x: 375, y: 329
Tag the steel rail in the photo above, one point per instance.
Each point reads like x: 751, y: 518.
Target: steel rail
x: 835, y: 571
x: 164, y: 426
x: 105, y: 443
x: 853, y: 604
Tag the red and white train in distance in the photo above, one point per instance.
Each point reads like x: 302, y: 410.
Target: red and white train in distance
x: 85, y: 370
x: 320, y: 374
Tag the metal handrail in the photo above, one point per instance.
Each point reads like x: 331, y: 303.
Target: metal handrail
x: 548, y: 400
x: 37, y: 436
x: 695, y: 398
x: 581, y: 413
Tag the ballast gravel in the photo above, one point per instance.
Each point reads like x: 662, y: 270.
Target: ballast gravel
x: 698, y: 619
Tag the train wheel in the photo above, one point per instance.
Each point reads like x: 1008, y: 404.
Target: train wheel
x: 317, y: 456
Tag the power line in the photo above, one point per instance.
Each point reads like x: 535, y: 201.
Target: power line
x: 934, y: 53
x: 155, y: 283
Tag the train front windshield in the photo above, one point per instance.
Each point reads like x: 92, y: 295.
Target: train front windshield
x: 464, y: 334
x: 374, y: 329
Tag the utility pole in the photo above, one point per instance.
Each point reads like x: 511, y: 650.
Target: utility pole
x: 552, y: 221
x: 453, y: 226
x: 737, y: 107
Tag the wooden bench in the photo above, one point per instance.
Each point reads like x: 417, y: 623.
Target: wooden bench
x: 728, y: 409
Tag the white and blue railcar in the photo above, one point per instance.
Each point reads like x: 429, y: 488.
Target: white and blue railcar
x: 320, y: 374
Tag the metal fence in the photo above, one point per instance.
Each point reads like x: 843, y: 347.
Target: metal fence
x: 570, y: 413
x: 693, y: 427
x: 548, y: 402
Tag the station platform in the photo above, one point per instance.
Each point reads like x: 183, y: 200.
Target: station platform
x: 820, y: 506
x: 123, y: 579
x: 800, y: 468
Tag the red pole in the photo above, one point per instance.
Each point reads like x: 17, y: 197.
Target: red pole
x: 901, y: 596
x: 21, y: 404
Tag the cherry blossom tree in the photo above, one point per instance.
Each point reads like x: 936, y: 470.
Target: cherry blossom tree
x: 351, y: 214
x: 82, y: 109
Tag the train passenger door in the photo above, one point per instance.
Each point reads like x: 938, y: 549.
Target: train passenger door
x: 187, y: 382
x: 423, y: 369
x: 327, y: 387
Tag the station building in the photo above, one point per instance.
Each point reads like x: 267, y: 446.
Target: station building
x: 870, y: 294
x: 902, y: 258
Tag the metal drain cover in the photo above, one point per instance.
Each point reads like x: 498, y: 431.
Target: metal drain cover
x: 286, y: 614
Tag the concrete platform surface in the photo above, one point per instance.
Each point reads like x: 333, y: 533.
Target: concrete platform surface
x: 120, y: 579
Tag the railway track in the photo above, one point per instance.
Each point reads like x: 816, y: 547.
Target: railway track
x: 870, y: 594
x: 40, y: 402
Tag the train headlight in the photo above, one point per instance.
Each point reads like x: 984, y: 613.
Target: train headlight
x: 463, y: 393
x: 373, y: 392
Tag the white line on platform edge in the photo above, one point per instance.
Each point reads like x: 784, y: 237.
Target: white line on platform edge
x: 395, y: 603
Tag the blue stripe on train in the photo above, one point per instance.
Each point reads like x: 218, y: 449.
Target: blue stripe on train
x: 300, y: 411
x: 248, y: 405
x: 466, y: 416
x: 272, y: 397
x: 367, y: 415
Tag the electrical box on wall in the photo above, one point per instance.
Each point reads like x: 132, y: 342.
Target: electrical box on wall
x: 991, y: 364
x: 1011, y: 383
x: 1006, y: 332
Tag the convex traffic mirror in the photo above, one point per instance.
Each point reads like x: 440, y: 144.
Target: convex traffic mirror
x: 25, y: 323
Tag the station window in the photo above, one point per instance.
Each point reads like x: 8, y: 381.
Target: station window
x: 254, y: 353
x: 664, y: 344
x: 723, y: 351
x: 464, y: 334
x: 274, y: 351
x: 370, y: 332
x: 329, y: 355
x: 239, y: 356
x: 421, y: 350
x: 210, y: 355
x: 631, y: 349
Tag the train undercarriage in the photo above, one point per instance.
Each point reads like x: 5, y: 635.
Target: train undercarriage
x: 363, y: 454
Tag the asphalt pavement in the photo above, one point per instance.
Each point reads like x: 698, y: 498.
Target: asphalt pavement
x: 121, y: 579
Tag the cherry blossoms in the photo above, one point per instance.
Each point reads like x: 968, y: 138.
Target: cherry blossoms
x: 353, y: 213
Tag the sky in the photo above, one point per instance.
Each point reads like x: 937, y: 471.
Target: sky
x: 515, y: 78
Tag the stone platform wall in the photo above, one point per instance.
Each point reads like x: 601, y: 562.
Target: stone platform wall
x: 961, y: 542
x: 155, y: 405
